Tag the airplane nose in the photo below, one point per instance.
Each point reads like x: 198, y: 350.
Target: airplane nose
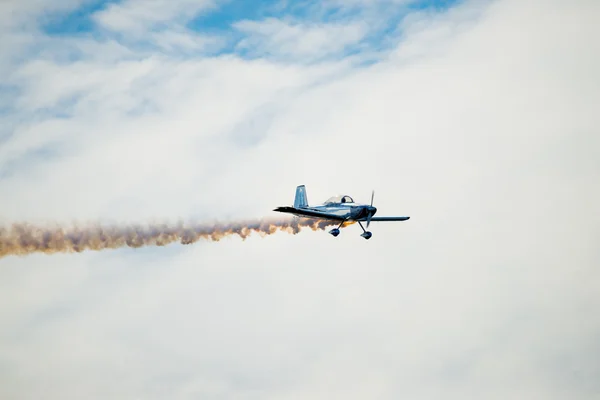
x: 370, y: 210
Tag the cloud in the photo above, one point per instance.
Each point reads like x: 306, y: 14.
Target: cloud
x: 23, y: 14
x: 136, y: 16
x: 479, y: 122
x: 297, y: 41
x: 185, y: 42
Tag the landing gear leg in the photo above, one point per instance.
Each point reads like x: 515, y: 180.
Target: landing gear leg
x: 366, y: 234
x: 336, y: 231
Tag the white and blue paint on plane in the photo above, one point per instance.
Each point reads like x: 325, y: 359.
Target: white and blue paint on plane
x: 338, y: 208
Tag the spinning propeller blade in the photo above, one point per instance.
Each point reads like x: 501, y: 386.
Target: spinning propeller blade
x: 370, y: 213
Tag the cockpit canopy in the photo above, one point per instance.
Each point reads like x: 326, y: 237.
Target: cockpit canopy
x: 339, y: 199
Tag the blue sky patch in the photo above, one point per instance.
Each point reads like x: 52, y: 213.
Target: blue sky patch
x: 231, y: 11
x: 75, y: 21
x: 382, y: 17
x: 221, y: 18
x: 438, y: 5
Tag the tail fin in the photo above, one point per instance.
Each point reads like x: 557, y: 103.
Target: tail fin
x: 300, y: 200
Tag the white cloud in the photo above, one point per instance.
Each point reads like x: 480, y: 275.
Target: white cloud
x: 137, y: 16
x: 17, y: 14
x: 19, y: 30
x: 481, y: 125
x: 187, y: 42
x: 298, y: 41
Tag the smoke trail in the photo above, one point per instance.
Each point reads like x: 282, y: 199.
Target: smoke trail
x: 22, y: 239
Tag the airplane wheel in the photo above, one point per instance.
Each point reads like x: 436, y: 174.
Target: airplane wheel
x: 367, y: 235
x: 335, y: 232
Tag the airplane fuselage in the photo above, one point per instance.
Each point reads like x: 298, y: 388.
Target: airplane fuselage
x: 348, y: 211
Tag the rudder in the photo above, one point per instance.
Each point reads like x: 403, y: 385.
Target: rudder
x: 300, y: 200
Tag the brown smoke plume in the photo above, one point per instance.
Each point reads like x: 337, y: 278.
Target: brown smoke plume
x: 23, y: 239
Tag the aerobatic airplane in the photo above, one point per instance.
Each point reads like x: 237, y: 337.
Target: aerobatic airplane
x: 337, y: 208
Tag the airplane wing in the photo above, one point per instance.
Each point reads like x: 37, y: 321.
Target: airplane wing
x: 374, y: 219
x: 310, y: 213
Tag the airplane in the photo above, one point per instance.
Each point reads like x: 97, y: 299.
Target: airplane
x: 337, y: 208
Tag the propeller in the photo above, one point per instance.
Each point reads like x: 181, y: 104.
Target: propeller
x: 370, y: 212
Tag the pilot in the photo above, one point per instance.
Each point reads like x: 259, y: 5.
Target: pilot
x: 344, y: 199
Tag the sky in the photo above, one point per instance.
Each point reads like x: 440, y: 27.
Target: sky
x: 477, y: 118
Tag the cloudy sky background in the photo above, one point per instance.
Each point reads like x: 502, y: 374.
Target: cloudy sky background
x: 479, y: 119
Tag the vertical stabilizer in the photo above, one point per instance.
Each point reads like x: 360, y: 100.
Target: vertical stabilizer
x: 300, y: 201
